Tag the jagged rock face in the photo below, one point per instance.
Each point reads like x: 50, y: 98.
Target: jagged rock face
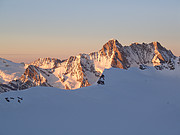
x: 139, y: 54
x: 114, y: 50
x: 73, y: 73
x: 73, y: 67
x: 171, y: 64
x: 5, y: 88
x: 10, y: 70
x: 33, y: 76
x: 90, y: 75
x: 111, y: 55
x: 46, y: 63
x: 152, y: 54
x: 76, y: 72
x: 85, y: 69
x: 162, y: 55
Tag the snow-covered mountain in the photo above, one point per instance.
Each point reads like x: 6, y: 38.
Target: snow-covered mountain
x: 124, y: 57
x: 46, y: 63
x: 85, y: 69
x: 9, y: 71
x: 132, y: 102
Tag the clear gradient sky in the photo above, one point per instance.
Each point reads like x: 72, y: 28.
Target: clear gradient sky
x: 59, y: 28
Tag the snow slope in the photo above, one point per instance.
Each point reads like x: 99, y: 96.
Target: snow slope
x: 10, y: 71
x: 85, y: 69
x: 132, y: 102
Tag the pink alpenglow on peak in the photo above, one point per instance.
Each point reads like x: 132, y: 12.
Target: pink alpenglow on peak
x: 86, y: 69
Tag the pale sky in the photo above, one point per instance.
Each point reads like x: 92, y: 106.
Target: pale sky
x: 60, y: 28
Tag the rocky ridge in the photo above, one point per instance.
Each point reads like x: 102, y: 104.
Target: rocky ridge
x: 85, y: 69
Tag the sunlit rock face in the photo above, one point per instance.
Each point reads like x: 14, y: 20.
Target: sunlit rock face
x: 46, y: 63
x: 85, y: 69
x: 152, y: 54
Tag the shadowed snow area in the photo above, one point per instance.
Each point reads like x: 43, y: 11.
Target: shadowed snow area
x: 132, y: 102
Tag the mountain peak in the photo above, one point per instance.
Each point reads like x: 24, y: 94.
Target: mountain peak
x: 135, y: 43
x: 85, y: 69
x: 113, y: 39
x: 112, y: 44
x: 46, y: 63
x: 155, y: 43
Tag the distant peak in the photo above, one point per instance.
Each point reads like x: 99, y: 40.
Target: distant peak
x: 113, y: 39
x: 47, y: 59
x: 113, y: 42
x: 155, y: 43
x: 135, y: 43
